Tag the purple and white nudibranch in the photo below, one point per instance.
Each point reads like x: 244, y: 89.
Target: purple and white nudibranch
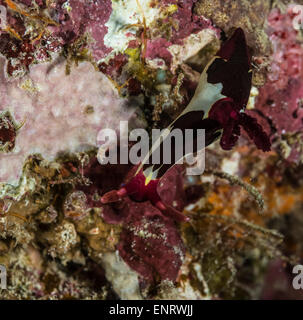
x: 218, y: 106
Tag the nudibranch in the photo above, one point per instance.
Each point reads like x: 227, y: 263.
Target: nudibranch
x: 218, y: 106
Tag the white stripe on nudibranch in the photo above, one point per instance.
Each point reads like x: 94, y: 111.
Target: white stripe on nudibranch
x: 205, y: 95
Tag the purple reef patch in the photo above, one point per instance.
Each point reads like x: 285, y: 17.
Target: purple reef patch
x: 281, y: 98
x: 79, y: 17
x: 158, y: 49
x: 150, y: 243
x: 188, y: 22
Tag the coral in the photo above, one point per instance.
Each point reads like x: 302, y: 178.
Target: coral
x: 62, y: 239
x: 75, y: 205
x: 100, y: 236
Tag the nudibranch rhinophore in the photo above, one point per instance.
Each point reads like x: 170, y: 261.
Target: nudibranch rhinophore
x: 218, y: 106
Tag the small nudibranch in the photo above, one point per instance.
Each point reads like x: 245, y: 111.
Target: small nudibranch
x: 218, y: 107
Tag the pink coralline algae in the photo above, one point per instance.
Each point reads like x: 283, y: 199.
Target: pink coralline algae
x: 158, y: 48
x: 80, y: 17
x: 40, y: 3
x: 186, y: 24
x: 57, y: 24
x: 281, y: 98
x: 114, y: 66
x: 20, y: 47
x: 43, y: 102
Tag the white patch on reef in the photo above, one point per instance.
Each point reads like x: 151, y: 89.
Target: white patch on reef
x: 191, y: 46
x: 125, y: 13
x: 124, y: 280
x: 252, y: 98
x: 231, y: 165
x: 55, y: 115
